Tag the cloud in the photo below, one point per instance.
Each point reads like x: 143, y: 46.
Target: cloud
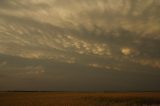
x: 97, y: 33
x: 155, y: 63
x: 3, y: 63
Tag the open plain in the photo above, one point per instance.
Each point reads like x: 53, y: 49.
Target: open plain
x: 80, y: 99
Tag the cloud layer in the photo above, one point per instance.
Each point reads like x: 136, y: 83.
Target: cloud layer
x: 109, y: 35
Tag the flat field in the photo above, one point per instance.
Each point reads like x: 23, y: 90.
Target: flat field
x: 79, y: 99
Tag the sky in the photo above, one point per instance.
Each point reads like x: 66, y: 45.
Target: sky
x: 80, y: 45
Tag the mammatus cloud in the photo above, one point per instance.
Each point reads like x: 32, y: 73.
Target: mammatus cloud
x: 110, y: 35
x: 56, y: 31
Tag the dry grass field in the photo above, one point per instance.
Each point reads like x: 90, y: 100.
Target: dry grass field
x: 79, y: 99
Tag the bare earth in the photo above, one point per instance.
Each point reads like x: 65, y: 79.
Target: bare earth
x: 79, y: 99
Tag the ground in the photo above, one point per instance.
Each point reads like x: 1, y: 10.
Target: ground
x: 79, y: 98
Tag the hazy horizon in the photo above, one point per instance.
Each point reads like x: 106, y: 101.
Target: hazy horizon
x: 80, y: 45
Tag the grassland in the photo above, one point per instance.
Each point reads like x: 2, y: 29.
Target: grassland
x: 79, y: 99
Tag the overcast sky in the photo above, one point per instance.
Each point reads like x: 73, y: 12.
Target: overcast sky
x: 80, y: 45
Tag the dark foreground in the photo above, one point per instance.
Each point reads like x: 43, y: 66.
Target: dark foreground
x: 79, y: 99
